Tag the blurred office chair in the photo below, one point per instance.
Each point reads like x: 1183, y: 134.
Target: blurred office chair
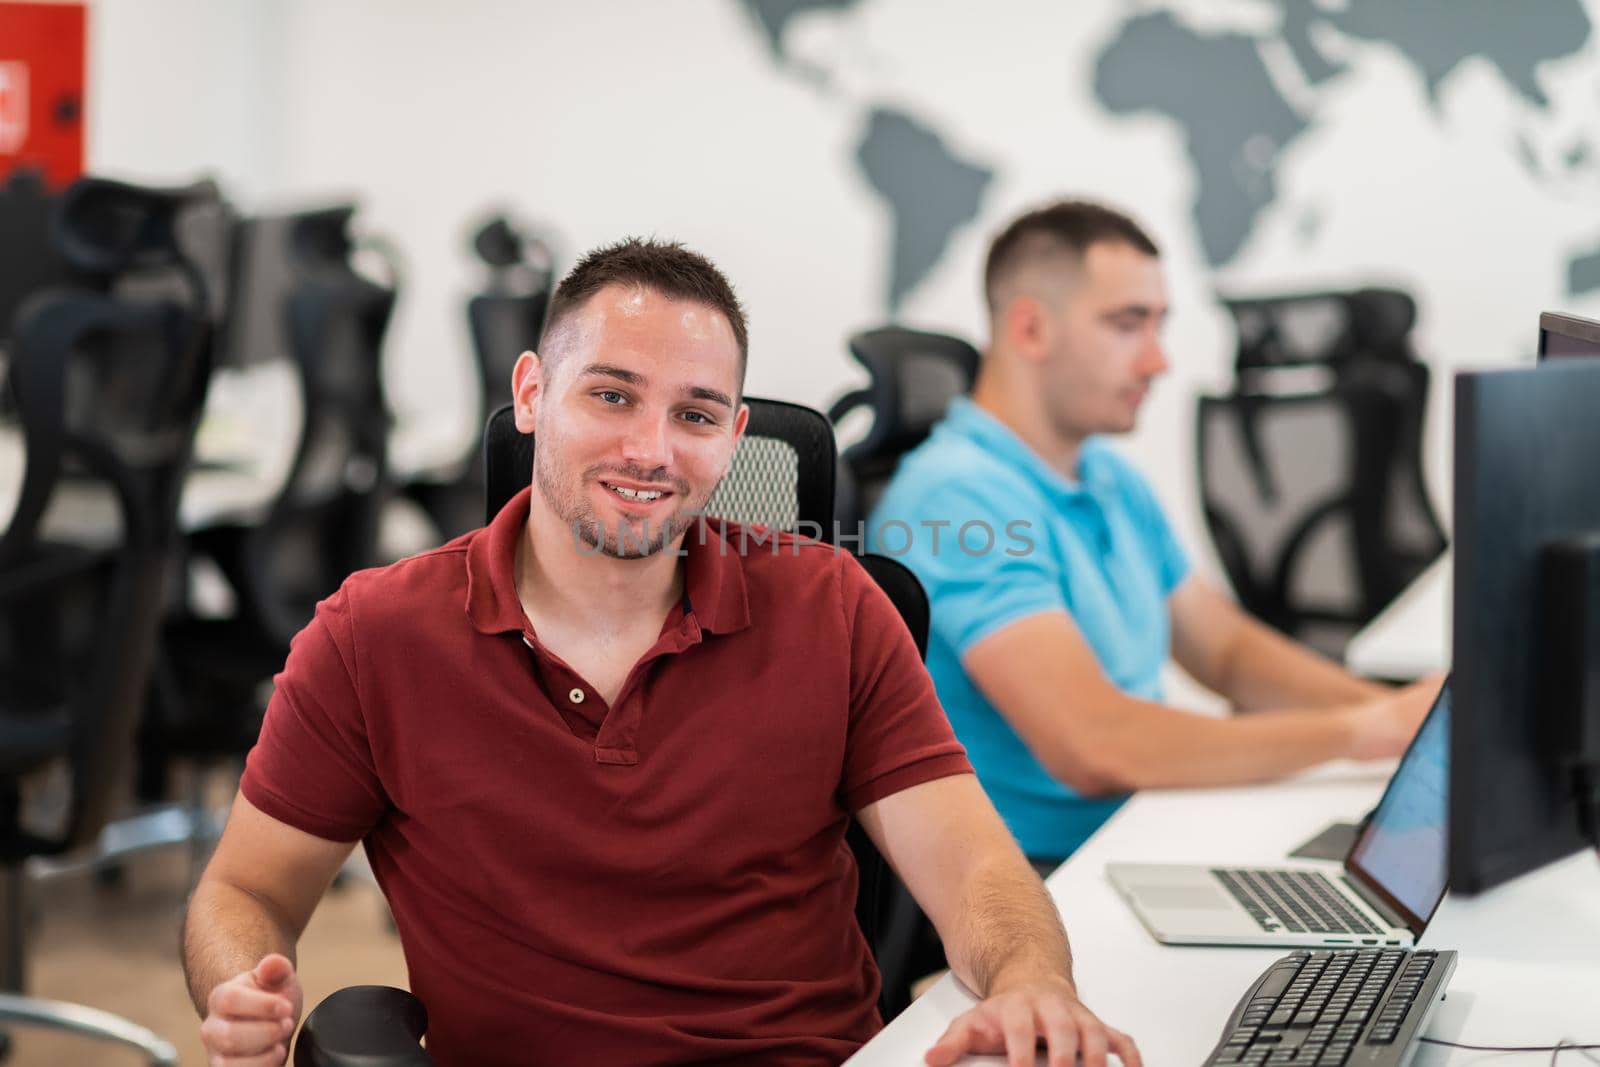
x: 1335, y: 329
x: 506, y: 319
x: 1311, y: 470
x: 1315, y: 504
x: 508, y: 316
x: 109, y: 389
x: 782, y: 476
x: 31, y: 261
x: 208, y: 698
x: 912, y: 377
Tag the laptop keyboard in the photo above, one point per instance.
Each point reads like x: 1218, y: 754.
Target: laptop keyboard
x: 1298, y: 901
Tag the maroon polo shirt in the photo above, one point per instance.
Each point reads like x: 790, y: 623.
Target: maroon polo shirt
x: 662, y: 881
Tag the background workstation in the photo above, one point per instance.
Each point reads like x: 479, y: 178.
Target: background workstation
x: 846, y: 163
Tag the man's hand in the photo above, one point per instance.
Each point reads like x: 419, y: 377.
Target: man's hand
x: 1386, y: 725
x: 251, y: 1017
x: 1014, y: 1020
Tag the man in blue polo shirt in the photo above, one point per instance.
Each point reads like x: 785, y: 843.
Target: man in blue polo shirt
x: 1057, y: 587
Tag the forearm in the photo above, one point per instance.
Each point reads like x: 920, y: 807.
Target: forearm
x: 1007, y: 929
x: 226, y: 932
x: 1137, y: 744
x: 1264, y: 670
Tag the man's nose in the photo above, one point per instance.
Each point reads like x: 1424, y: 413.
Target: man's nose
x: 646, y: 444
x: 1153, y: 361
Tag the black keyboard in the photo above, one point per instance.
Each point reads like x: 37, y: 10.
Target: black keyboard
x: 1298, y: 901
x: 1362, y: 1006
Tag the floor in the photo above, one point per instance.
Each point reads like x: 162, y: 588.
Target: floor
x: 116, y: 948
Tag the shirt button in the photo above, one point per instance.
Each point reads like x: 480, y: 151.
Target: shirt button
x: 576, y: 696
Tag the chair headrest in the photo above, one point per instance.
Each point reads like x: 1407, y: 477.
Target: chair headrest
x: 322, y: 235
x: 1331, y: 328
x: 497, y: 243
x: 107, y: 227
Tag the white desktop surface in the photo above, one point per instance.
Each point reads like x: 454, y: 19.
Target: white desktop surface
x: 1410, y: 637
x: 1529, y: 970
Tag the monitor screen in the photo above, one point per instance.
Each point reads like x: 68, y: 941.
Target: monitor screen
x: 1401, y: 851
x: 1563, y: 335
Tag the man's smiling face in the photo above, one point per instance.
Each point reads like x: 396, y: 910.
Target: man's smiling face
x: 636, y: 414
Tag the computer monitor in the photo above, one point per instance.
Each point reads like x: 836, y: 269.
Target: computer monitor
x: 1561, y: 334
x: 1526, y: 444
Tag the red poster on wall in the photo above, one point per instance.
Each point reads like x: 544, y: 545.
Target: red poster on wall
x: 41, y: 90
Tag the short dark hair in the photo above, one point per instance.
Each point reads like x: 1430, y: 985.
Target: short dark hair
x: 665, y: 267
x: 1067, y: 226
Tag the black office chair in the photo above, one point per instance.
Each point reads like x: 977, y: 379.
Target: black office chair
x: 109, y: 389
x: 506, y: 319
x: 913, y: 375
x: 323, y: 524
x: 508, y: 316
x: 782, y: 476
x: 31, y: 261
x: 1315, y: 504
x: 1334, y: 330
x: 1311, y: 470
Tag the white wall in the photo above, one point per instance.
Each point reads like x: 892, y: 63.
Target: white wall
x: 603, y: 119
x: 179, y: 89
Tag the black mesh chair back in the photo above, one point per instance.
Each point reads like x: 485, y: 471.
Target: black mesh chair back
x: 782, y: 474
x: 912, y: 377
x: 1333, y: 330
x: 508, y: 316
x: 109, y: 392
x: 1315, y: 501
x: 1312, y: 487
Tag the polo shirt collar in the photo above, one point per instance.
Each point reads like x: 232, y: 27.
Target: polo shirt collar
x: 1095, y: 473
x: 714, y: 582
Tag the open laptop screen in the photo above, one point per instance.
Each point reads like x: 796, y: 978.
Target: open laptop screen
x: 1401, y: 852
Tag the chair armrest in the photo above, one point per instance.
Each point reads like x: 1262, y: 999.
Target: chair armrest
x: 364, y: 1026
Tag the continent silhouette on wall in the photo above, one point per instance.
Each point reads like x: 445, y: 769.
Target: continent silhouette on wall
x: 930, y: 191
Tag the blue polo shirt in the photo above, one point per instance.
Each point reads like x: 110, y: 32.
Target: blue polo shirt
x: 995, y: 535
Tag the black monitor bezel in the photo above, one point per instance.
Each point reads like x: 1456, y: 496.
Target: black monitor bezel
x: 1524, y: 478
x: 1414, y: 922
x: 1565, y: 325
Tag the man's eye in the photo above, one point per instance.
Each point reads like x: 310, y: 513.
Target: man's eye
x: 699, y: 418
x: 611, y: 396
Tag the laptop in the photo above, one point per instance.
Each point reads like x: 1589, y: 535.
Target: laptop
x: 1393, y: 876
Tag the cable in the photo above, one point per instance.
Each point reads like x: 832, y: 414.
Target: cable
x: 1555, y: 1050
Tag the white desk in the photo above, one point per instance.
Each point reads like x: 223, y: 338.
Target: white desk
x: 1410, y: 637
x: 1529, y: 972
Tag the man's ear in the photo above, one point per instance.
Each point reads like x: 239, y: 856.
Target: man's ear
x: 741, y: 420
x: 1026, y: 326
x: 526, y: 389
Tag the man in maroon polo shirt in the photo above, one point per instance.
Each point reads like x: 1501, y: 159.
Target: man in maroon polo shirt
x: 602, y: 754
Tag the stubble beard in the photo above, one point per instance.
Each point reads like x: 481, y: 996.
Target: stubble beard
x: 628, y: 539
